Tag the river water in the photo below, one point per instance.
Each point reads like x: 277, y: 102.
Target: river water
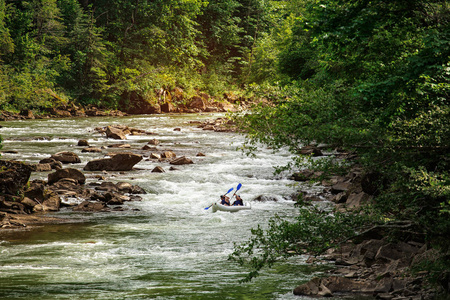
x: 166, y: 246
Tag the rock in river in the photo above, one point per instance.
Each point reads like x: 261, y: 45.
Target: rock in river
x: 13, y: 175
x: 66, y: 173
x: 119, y: 162
x: 66, y: 157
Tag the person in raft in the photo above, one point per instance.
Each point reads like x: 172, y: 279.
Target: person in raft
x: 238, y: 201
x: 224, y: 200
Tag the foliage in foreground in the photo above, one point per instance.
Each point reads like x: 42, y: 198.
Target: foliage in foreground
x: 372, y: 77
x: 313, y: 231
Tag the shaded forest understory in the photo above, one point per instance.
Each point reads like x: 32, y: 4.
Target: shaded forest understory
x: 370, y: 77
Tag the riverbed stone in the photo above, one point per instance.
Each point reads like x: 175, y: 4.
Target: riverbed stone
x: 54, y: 164
x: 168, y: 154
x: 35, y: 190
x: 115, y: 133
x: 53, y: 203
x: 154, y: 142
x: 183, y: 160
x: 155, y: 156
x: 107, y: 186
x: 66, y: 157
x: 91, y: 206
x: 83, y: 143
x: 43, y: 167
x: 67, y: 173
x: 124, y: 187
x: 119, y: 162
x: 13, y: 207
x: 158, y: 169
x: 29, y: 203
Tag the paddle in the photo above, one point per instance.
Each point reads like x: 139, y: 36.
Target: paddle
x: 224, y: 195
x: 237, y: 189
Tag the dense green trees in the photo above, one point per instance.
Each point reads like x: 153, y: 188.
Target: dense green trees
x: 372, y: 77
x: 101, y: 51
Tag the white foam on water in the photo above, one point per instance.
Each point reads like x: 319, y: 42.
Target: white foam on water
x: 172, y: 241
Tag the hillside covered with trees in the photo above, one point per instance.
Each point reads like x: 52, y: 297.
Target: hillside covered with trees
x: 116, y: 53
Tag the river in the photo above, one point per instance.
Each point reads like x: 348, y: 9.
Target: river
x: 166, y: 246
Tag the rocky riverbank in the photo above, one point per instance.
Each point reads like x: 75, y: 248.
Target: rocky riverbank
x: 24, y: 203
x: 176, y: 104
x: 377, y: 262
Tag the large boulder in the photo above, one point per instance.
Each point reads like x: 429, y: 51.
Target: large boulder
x: 66, y: 173
x: 13, y: 176
x: 115, y: 133
x: 66, y: 157
x: 119, y: 162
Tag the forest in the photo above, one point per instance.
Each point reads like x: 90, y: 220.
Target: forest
x: 115, y: 53
x: 372, y: 77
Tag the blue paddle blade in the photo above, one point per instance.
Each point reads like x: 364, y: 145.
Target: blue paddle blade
x: 238, y: 187
x: 230, y: 190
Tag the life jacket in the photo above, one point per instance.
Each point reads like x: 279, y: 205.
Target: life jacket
x: 238, y: 203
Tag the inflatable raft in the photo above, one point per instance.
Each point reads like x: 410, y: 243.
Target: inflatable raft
x: 217, y: 206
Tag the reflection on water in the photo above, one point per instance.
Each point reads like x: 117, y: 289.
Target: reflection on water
x: 166, y: 246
